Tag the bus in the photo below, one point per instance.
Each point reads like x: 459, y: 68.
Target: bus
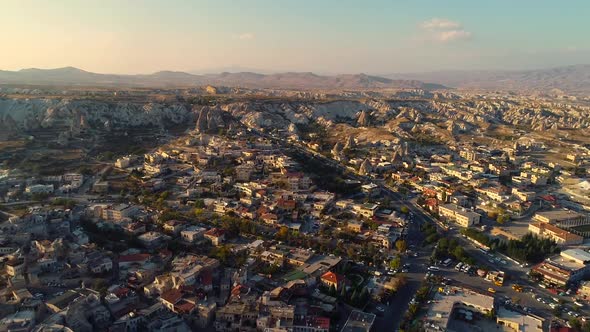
x: 447, y: 262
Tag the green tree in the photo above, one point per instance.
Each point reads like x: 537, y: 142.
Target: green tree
x: 354, y: 298
x: 342, y: 293
x: 332, y: 290
x: 395, y: 263
x: 401, y: 245
x: 459, y: 253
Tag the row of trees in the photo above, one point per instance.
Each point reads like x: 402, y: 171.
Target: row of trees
x: 408, y: 323
x: 451, y: 248
x: 430, y: 232
x: 358, y: 297
x: 530, y: 248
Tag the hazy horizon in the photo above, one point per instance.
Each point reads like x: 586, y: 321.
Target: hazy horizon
x: 332, y: 37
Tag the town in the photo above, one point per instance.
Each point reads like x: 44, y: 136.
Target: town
x: 228, y: 226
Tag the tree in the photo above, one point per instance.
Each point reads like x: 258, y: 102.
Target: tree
x: 404, y: 209
x: 401, y: 245
x: 431, y: 238
x: 443, y: 244
x: 364, y: 295
x: 395, y: 263
x: 354, y: 298
x: 332, y: 290
x: 283, y: 233
x: 459, y: 253
x: 575, y: 324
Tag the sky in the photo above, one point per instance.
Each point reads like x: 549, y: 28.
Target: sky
x: 322, y: 36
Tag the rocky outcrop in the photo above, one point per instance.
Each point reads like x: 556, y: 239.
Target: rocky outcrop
x: 365, y: 167
x: 70, y: 117
x: 209, y: 120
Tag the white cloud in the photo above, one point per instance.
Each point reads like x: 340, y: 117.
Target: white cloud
x: 452, y: 35
x: 440, y: 23
x: 245, y: 36
x: 444, y: 30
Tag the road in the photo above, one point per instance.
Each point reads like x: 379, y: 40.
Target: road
x: 400, y: 302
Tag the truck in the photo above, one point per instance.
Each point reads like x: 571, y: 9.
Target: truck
x: 497, y: 277
x: 499, y: 280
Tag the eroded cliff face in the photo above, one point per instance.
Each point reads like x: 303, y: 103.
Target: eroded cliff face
x: 25, y: 115
x: 458, y: 114
x: 404, y: 117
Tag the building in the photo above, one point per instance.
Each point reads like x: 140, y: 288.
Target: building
x: 359, y: 321
x: 39, y: 189
x: 298, y: 256
x: 562, y: 217
x: 174, y: 226
x: 355, y: 226
x: 371, y: 189
x: 123, y: 162
x: 366, y: 210
x: 522, y: 195
x: 193, y: 233
x: 118, y: 212
x: 100, y: 265
x: 312, y: 324
x: 100, y: 187
x: 470, y: 155
x: 584, y: 289
x: 518, y: 322
x: 560, y: 236
x: 215, y: 235
x: 461, y: 216
x: 15, y: 267
x: 152, y: 240
x: 244, y: 172
x: 236, y: 316
x: 450, y: 299
x: 332, y: 279
x: 569, y: 266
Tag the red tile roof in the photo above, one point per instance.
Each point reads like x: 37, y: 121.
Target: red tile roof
x: 332, y: 277
x: 215, y: 232
x: 134, y: 258
x: 122, y: 292
x: 172, y: 296
x: 320, y: 322
x: 184, y: 307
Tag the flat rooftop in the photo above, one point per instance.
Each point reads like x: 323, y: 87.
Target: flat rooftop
x: 359, y: 321
x: 526, y: 323
x: 558, y: 214
x: 444, y: 302
x: 579, y: 255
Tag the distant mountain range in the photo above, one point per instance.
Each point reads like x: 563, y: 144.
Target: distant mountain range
x: 74, y: 76
x: 570, y: 79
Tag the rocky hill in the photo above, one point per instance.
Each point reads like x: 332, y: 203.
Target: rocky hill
x: 73, y: 76
x: 401, y: 118
x: 570, y: 79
